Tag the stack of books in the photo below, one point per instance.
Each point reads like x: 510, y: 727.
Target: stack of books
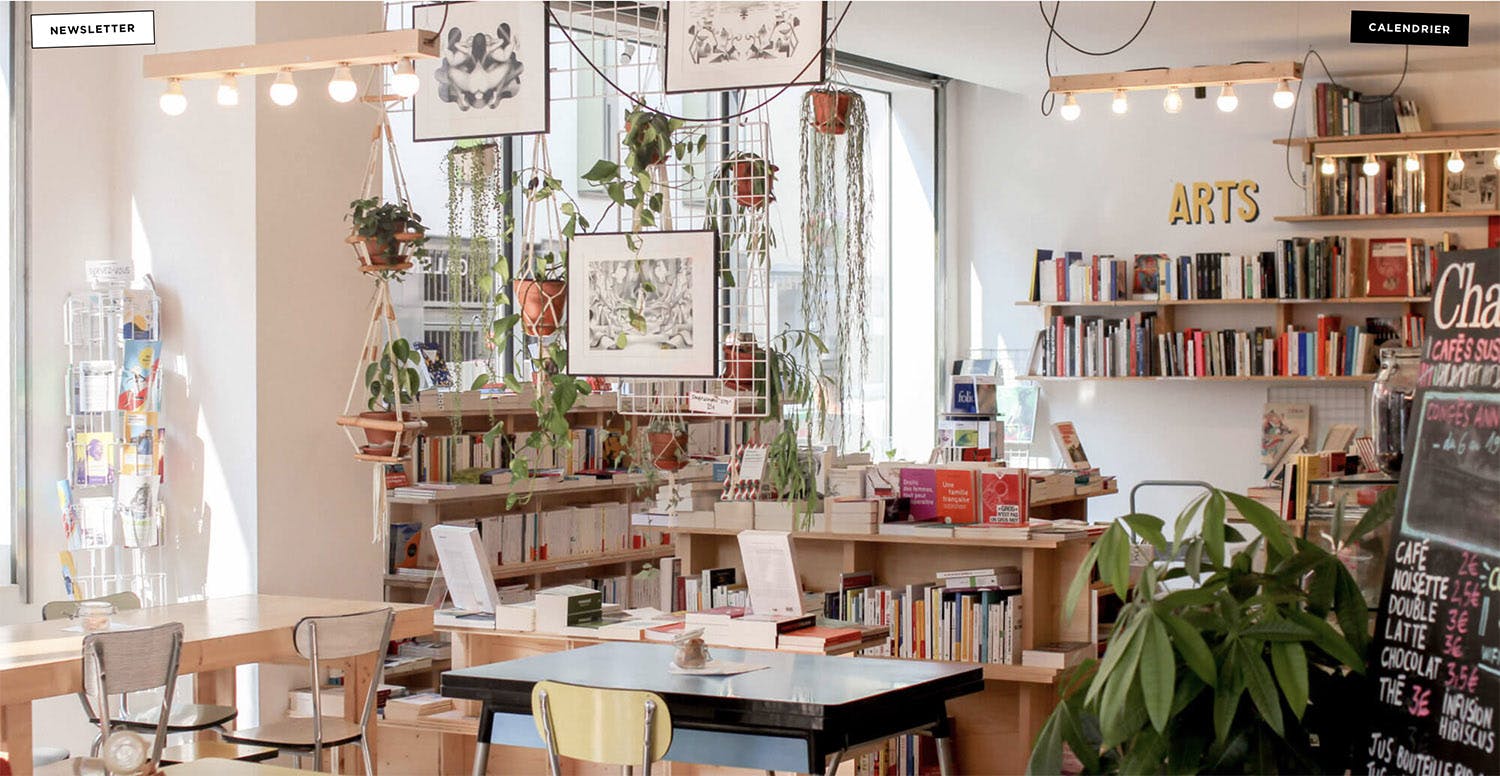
x: 855, y: 515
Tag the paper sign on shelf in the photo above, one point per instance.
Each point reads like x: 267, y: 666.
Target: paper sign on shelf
x: 710, y: 404
x: 108, y: 274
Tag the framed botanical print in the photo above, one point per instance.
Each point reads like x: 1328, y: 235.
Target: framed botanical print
x: 650, y: 312
x: 743, y: 44
x: 491, y: 74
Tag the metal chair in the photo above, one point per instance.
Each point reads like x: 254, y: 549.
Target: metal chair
x: 611, y: 727
x: 119, y: 662
x: 329, y: 638
x: 183, y: 718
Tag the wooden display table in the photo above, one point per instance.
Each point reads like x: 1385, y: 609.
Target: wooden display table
x: 44, y: 659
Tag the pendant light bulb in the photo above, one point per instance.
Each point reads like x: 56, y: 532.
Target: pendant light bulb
x: 1283, y: 97
x: 1070, y: 110
x: 1371, y: 167
x: 1172, y: 103
x: 1328, y: 167
x: 1495, y: 161
x: 173, y: 102
x: 1227, y: 100
x: 283, y: 89
x: 1455, y: 163
x: 341, y: 86
x: 404, y: 81
x: 1413, y: 163
x: 1118, y: 104
x: 229, y: 91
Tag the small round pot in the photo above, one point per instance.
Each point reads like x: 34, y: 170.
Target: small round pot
x: 542, y: 303
x: 740, y: 362
x: 668, y: 450
x: 831, y: 111
x: 379, y: 441
x: 376, y: 251
x: 745, y: 181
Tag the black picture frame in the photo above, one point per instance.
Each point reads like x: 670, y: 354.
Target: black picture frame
x: 545, y: 10
x: 822, y: 58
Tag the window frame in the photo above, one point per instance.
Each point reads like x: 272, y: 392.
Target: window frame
x: 20, y: 256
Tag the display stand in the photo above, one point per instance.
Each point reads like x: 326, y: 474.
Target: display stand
x: 111, y: 501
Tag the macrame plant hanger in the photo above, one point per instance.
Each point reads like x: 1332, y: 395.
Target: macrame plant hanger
x: 381, y: 331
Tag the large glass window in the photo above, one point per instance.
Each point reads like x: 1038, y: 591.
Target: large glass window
x: 12, y: 329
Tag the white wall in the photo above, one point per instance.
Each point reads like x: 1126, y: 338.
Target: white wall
x: 1103, y: 184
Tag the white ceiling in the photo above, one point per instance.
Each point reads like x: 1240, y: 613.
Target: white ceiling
x: 1000, y: 43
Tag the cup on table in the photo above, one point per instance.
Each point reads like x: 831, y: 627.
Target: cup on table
x: 94, y: 615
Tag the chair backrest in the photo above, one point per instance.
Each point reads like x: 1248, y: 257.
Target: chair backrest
x: 60, y: 610
x: 615, y: 727
x: 118, y: 662
x: 339, y: 637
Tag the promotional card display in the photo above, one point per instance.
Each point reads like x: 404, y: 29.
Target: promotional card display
x: 1435, y: 663
x: 1069, y: 445
x: 138, y: 375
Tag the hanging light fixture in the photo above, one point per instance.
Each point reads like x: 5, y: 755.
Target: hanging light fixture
x: 1371, y: 167
x: 404, y: 81
x: 1070, y: 110
x: 1495, y: 161
x: 1227, y: 101
x: 284, y: 90
x: 1328, y: 167
x: 229, y: 91
x: 341, y: 86
x: 1413, y: 163
x: 1283, y: 97
x: 1118, y: 104
x: 1172, y: 103
x: 1455, y: 163
x: 172, y: 101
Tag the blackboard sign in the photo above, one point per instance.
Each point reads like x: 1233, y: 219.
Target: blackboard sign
x: 1436, y: 664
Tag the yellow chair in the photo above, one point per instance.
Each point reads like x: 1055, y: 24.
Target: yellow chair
x: 612, y: 727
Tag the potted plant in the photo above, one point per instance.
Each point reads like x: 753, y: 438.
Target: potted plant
x: 639, y: 184
x: 392, y: 381
x: 389, y: 233
x: 669, y: 440
x: 1244, y: 669
x: 744, y: 361
x: 754, y: 178
x: 542, y: 297
x: 831, y: 106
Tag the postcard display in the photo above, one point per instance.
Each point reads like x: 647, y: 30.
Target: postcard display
x: 1435, y: 667
x: 111, y: 500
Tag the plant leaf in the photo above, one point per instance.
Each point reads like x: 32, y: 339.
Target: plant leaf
x: 1231, y: 685
x: 1376, y: 516
x: 601, y: 171
x: 1213, y: 528
x: 1148, y: 527
x: 1123, y: 647
x: 1189, y: 643
x: 1158, y: 672
x: 1267, y: 522
x: 1262, y: 689
x: 1080, y: 577
x: 1328, y: 639
x: 1290, y: 662
x: 1114, y: 559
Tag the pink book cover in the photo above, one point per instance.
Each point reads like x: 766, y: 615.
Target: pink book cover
x: 920, y: 485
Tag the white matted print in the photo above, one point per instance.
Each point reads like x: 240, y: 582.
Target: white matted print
x: 742, y: 44
x: 643, y: 313
x: 490, y: 77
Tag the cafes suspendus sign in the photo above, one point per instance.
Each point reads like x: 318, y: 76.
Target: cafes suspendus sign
x: 1435, y: 667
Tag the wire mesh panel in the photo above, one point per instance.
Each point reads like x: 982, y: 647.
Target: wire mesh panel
x: 1330, y: 406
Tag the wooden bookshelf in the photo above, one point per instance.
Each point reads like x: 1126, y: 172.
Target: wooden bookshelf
x: 1433, y: 141
x: 1393, y: 216
x: 1207, y: 379
x: 1139, y: 303
x: 538, y: 568
x: 1044, y: 543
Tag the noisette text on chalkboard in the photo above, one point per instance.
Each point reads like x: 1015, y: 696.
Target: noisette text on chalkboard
x: 1436, y: 660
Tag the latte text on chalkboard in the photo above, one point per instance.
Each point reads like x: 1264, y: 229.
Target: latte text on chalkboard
x: 1408, y: 28
x: 1436, y: 660
x: 1217, y: 202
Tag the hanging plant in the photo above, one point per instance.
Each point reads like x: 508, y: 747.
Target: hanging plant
x: 835, y: 242
x: 386, y: 234
x: 669, y: 443
x: 394, y: 387
x: 478, y: 229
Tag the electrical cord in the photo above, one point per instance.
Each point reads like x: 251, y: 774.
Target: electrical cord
x: 639, y: 103
x: 1292, y: 124
x: 1048, y: 98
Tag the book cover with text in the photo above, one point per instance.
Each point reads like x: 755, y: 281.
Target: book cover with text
x: 920, y: 486
x: 956, y: 500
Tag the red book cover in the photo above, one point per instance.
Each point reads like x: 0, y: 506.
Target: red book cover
x: 1388, y: 267
x: 1327, y: 324
x: 1198, y: 353
x: 956, y: 501
x: 819, y: 634
x: 920, y: 485
x: 1094, y: 279
x: 1062, y: 277
x: 1061, y: 348
x: 1005, y: 496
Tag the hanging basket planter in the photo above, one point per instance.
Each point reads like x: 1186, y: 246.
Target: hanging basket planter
x: 393, y: 252
x: 668, y: 449
x: 387, y: 236
x: 743, y: 361
x: 542, y: 303
x: 831, y: 110
x: 754, y: 180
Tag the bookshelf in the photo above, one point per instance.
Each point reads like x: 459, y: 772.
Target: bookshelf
x: 1391, y: 216
x: 536, y: 569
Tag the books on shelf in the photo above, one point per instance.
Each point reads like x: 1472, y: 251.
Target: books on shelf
x: 1338, y: 111
x: 1058, y: 654
x: 416, y: 705
x: 1475, y: 187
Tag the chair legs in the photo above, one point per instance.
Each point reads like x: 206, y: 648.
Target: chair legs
x: 364, y: 752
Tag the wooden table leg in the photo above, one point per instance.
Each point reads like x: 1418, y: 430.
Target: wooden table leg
x: 215, y: 688
x: 15, y: 736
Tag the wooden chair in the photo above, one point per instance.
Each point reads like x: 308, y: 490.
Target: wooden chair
x: 611, y: 727
x: 183, y: 718
x: 119, y: 662
x: 329, y: 638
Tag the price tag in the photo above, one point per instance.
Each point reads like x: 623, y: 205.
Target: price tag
x: 710, y: 404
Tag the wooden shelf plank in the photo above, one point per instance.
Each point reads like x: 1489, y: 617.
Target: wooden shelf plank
x: 1430, y: 135
x: 1211, y: 378
x: 1137, y: 303
x: 512, y: 571
x: 541, y: 489
x: 1391, y: 216
x: 949, y: 541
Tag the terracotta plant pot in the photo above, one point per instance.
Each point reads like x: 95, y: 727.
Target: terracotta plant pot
x: 379, y: 441
x: 668, y: 449
x: 741, y: 357
x: 542, y: 303
x: 831, y: 111
x: 377, y: 253
x: 746, y: 181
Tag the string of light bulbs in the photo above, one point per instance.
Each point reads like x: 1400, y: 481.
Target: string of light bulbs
x: 283, y: 90
x: 1412, y: 163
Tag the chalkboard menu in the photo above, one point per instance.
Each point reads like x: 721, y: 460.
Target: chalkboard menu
x: 1436, y: 664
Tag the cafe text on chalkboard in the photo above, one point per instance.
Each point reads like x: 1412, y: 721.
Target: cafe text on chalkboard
x: 1435, y: 668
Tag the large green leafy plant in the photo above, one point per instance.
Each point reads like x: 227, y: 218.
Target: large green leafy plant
x: 1219, y: 662
x: 393, y: 377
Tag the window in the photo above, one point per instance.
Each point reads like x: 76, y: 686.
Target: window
x: 586, y: 118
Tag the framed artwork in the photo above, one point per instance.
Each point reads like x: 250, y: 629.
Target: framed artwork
x: 650, y: 312
x: 1476, y: 187
x: 490, y: 77
x: 744, y: 44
